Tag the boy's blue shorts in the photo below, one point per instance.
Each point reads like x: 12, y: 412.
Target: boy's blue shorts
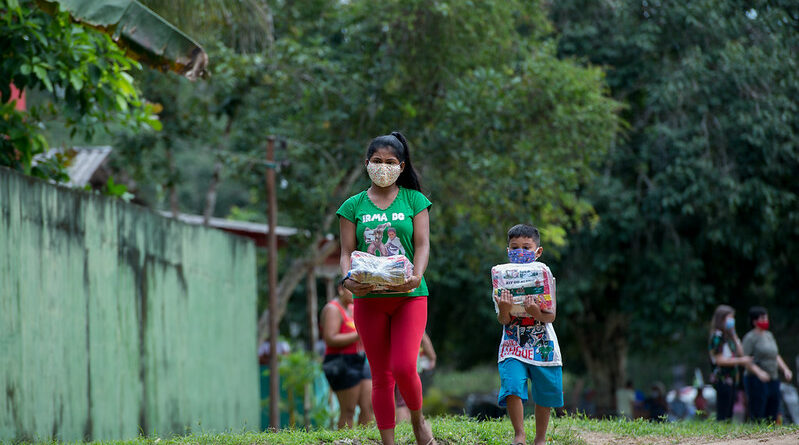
x: 547, y: 383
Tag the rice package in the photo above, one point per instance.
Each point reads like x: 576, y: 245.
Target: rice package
x: 382, y: 271
x: 521, y: 280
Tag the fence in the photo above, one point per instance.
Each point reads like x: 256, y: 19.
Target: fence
x: 116, y: 322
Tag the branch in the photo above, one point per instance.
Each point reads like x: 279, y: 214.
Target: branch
x: 314, y: 256
x: 210, y: 195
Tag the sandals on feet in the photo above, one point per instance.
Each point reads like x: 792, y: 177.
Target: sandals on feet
x: 432, y: 440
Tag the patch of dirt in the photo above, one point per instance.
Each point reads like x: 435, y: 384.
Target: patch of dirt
x: 777, y: 438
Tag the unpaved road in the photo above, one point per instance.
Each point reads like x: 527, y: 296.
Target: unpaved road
x: 595, y: 438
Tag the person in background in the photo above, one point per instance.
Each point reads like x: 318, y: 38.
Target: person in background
x: 700, y: 403
x: 283, y: 348
x: 425, y: 363
x: 625, y: 400
x: 726, y: 355
x: 345, y: 364
x: 656, y: 405
x: 762, y: 379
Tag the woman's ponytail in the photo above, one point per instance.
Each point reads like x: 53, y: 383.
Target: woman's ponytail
x: 408, y: 178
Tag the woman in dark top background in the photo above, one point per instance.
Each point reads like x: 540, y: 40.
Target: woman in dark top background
x: 726, y: 355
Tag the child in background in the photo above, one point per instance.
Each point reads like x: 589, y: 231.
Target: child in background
x: 529, y: 347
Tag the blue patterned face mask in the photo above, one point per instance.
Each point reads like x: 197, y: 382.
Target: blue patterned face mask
x: 521, y: 256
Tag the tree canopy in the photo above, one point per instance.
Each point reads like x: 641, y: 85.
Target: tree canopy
x: 697, y: 205
x: 500, y: 128
x: 653, y: 144
x: 85, y: 73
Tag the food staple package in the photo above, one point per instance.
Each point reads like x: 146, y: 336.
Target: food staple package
x: 382, y: 271
x: 524, y: 279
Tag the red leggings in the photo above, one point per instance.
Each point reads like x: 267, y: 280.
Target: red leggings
x: 391, y: 330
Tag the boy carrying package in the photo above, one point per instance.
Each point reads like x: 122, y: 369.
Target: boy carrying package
x: 524, y: 299
x: 522, y: 279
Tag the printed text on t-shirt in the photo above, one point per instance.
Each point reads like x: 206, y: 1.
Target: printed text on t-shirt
x: 382, y: 217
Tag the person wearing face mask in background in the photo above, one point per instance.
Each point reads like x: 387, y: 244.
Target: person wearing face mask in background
x: 726, y: 356
x: 344, y: 364
x: 762, y: 379
x: 656, y: 406
x: 390, y: 324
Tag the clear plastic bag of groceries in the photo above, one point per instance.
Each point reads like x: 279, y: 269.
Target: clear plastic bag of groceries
x: 523, y: 279
x: 382, y: 271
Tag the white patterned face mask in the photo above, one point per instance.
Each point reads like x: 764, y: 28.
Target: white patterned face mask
x: 383, y: 175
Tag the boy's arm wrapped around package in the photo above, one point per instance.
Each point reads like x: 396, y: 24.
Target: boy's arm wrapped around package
x: 521, y: 280
x: 382, y: 271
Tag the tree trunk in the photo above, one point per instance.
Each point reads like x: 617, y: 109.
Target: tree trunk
x: 315, y: 255
x: 173, y: 194
x: 604, y: 347
x: 312, y: 314
x: 299, y: 269
x: 210, y: 195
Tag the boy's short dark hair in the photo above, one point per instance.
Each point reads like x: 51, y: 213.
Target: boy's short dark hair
x: 526, y: 231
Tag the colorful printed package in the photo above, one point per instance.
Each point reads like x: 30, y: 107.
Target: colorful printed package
x: 381, y: 271
x: 521, y: 280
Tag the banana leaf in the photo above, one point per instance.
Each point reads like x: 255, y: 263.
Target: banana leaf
x: 144, y: 35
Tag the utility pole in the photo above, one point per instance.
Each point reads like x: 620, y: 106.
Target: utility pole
x: 312, y: 309
x: 274, y: 375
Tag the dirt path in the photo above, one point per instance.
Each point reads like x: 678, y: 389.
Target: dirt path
x: 595, y: 438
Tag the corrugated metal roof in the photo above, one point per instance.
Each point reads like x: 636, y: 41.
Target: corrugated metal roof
x: 85, y: 163
x: 229, y: 224
x: 82, y: 165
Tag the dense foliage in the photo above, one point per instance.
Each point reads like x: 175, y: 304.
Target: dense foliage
x: 664, y: 182
x: 500, y: 128
x: 699, y: 205
x: 87, y: 76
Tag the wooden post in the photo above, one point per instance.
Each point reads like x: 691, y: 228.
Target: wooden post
x: 274, y: 375
x: 330, y: 288
x: 312, y: 307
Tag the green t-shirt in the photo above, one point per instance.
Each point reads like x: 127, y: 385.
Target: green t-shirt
x: 386, y: 232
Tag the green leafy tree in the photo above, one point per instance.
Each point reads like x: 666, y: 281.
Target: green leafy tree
x: 501, y: 130
x: 246, y: 26
x: 85, y: 73
x: 145, y: 35
x: 697, y: 206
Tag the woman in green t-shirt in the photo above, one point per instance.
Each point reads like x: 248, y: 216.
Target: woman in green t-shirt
x: 390, y: 325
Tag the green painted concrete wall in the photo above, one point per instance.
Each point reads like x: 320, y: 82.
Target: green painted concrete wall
x: 116, y: 321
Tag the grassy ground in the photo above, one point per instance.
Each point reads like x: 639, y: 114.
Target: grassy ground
x: 461, y: 430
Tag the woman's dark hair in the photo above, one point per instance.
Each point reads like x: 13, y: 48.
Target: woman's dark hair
x: 717, y: 324
x: 756, y: 312
x: 396, y: 141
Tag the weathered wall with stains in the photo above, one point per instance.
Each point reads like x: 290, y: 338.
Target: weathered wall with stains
x: 115, y: 321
